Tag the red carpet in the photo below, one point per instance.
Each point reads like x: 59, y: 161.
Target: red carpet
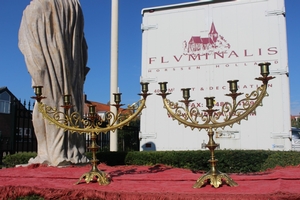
x: 144, y: 182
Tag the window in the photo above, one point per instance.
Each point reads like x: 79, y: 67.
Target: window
x: 4, y: 103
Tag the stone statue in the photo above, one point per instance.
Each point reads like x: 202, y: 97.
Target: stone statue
x: 52, y: 41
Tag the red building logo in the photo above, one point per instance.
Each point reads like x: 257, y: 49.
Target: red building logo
x: 206, y: 45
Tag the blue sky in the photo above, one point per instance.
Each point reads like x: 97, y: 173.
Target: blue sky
x: 97, y: 15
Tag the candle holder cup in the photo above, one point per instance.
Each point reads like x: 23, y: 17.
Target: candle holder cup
x: 211, y: 119
x: 92, y: 124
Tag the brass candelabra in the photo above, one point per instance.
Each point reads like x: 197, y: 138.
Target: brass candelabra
x: 92, y: 124
x: 212, y: 119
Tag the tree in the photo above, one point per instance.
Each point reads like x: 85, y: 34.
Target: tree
x: 295, y: 122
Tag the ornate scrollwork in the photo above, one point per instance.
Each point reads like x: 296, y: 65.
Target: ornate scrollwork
x: 92, y: 123
x: 229, y: 114
x: 75, y: 123
x: 212, y: 119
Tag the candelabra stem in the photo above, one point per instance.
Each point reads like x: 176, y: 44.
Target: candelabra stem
x: 211, y: 119
x: 102, y: 177
x: 92, y: 124
x: 213, y: 175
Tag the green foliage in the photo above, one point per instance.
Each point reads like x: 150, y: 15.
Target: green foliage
x: 229, y: 161
x: 295, y: 122
x: 18, y: 158
x: 182, y: 159
x: 281, y: 158
x: 241, y: 161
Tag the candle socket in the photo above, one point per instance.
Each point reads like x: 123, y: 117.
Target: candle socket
x: 163, y: 87
x: 211, y: 119
x: 144, y: 87
x: 67, y: 99
x: 91, y: 123
x: 233, y: 85
x: 186, y: 93
x: 92, y: 109
x: 264, y: 69
x: 117, y: 97
x: 209, y: 102
x: 38, y: 90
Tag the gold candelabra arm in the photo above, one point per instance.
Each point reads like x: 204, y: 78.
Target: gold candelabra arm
x: 91, y: 124
x: 73, y: 122
x: 234, y: 113
x: 229, y: 114
x: 210, y: 118
x: 187, y: 118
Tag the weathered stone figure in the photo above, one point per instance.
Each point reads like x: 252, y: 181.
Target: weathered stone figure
x: 52, y: 41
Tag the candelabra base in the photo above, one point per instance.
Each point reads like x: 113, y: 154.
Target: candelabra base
x: 102, y: 177
x: 215, y: 179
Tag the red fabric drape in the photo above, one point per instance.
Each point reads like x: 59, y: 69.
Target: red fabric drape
x: 144, y: 182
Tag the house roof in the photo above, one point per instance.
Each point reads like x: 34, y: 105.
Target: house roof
x: 2, y: 89
x: 199, y: 40
x: 5, y: 89
x: 195, y: 39
x: 14, y: 98
x: 100, y: 107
